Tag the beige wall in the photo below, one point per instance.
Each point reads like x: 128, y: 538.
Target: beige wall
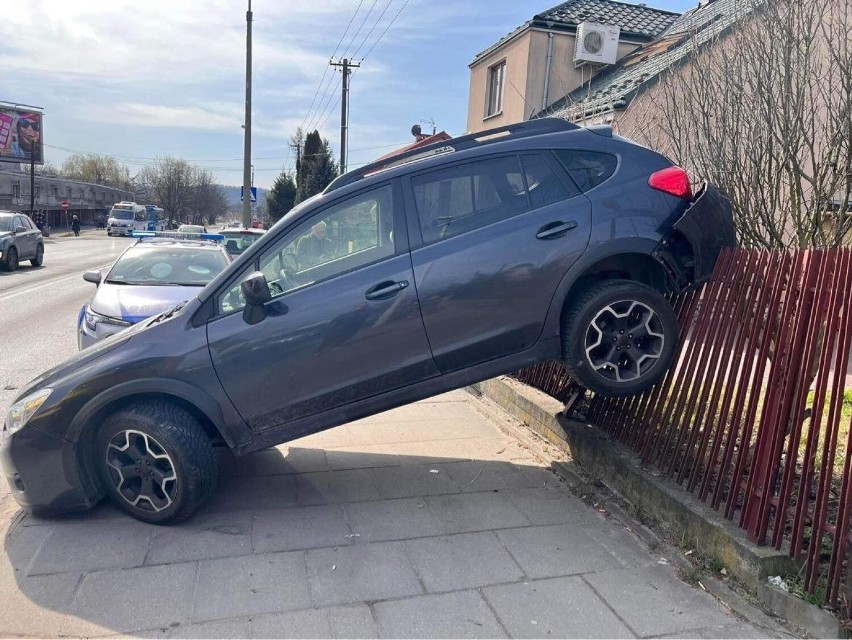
x: 526, y: 64
x: 564, y: 76
x: 516, y: 52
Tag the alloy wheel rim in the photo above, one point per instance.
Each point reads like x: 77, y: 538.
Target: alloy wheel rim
x: 141, y: 470
x: 624, y: 340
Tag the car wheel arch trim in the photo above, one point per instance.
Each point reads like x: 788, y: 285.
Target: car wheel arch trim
x: 174, y: 389
x: 593, y: 254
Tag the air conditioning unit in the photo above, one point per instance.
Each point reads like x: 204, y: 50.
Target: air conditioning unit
x: 596, y: 43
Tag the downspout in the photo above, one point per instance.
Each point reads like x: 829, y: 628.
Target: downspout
x: 547, y: 71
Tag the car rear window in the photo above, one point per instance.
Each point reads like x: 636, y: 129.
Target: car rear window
x: 468, y: 196
x: 236, y: 241
x: 167, y: 266
x: 587, y: 168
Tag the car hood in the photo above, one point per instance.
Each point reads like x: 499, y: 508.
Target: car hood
x: 133, y: 303
x: 5, y: 234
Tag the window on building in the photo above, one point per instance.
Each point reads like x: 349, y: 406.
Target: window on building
x: 38, y: 193
x: 16, y: 191
x: 494, y: 93
x: 55, y: 192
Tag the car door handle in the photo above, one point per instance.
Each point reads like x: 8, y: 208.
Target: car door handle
x: 385, y: 290
x: 555, y: 229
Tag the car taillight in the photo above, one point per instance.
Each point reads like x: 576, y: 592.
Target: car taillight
x: 672, y: 180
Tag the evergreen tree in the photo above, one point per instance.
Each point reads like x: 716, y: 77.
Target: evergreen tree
x: 317, y: 167
x: 282, y: 197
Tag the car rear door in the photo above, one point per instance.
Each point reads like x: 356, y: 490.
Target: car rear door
x: 496, y: 236
x: 344, y: 323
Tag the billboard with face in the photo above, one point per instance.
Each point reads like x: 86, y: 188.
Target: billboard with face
x: 20, y: 136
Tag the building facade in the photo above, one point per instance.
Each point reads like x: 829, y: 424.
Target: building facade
x: 84, y: 199
x: 533, y: 67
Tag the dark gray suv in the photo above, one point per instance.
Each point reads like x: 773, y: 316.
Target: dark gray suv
x: 404, y: 279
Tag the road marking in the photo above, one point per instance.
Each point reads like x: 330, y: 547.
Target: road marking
x: 15, y: 294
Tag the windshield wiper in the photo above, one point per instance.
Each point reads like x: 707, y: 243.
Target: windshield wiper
x: 168, y: 314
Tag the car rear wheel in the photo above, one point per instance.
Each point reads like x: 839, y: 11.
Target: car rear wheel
x: 39, y: 256
x: 156, y: 461
x: 11, y: 259
x: 619, y: 338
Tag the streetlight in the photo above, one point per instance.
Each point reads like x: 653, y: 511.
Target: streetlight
x: 247, y: 178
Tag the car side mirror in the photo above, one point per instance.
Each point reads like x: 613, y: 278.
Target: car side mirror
x: 256, y: 293
x: 20, y: 229
x: 92, y: 276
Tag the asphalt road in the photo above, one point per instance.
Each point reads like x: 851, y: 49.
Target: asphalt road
x: 39, y: 307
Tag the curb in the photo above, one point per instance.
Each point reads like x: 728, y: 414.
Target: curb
x: 658, y: 501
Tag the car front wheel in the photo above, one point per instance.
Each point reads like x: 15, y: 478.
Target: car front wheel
x: 156, y: 461
x: 619, y: 338
x: 11, y: 259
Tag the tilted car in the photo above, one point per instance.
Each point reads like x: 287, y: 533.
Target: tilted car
x: 433, y: 270
x: 20, y: 240
x: 153, y: 275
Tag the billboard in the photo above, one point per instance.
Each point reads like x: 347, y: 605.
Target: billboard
x: 20, y: 136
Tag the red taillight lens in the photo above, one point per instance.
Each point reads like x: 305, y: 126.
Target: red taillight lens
x: 673, y: 181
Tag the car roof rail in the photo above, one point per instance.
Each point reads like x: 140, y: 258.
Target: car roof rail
x: 510, y: 131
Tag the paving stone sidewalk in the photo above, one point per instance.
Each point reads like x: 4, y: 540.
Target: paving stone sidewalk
x: 426, y: 521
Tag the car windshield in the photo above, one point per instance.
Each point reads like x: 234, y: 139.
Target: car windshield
x: 170, y: 266
x: 121, y: 215
x: 5, y: 223
x: 236, y: 241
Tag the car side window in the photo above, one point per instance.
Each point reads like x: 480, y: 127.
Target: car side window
x: 464, y: 197
x: 543, y: 185
x: 587, y: 168
x: 345, y: 236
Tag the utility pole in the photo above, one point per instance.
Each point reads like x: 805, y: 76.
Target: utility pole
x: 298, y: 149
x: 247, y: 181
x: 344, y: 108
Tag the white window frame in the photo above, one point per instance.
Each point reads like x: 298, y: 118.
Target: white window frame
x: 495, y: 84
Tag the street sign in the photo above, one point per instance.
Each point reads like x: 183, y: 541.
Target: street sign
x: 64, y: 204
x: 253, y: 194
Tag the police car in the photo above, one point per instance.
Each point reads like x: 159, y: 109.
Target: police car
x: 156, y: 273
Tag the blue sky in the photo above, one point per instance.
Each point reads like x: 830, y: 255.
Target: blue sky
x: 138, y: 79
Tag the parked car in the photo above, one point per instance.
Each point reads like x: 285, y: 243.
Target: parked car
x: 151, y: 276
x: 192, y: 228
x: 20, y: 239
x: 238, y: 240
x: 409, y: 277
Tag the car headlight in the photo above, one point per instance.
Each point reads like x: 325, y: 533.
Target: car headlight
x: 24, y: 409
x: 92, y: 320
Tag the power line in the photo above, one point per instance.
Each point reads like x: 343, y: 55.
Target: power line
x: 375, y: 24
x: 325, y: 71
x: 390, y: 24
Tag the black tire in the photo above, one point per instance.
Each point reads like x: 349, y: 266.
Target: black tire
x: 155, y: 461
x: 11, y: 261
x: 39, y: 256
x: 604, y: 329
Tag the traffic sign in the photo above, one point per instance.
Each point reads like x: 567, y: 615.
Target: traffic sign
x: 64, y: 204
x: 253, y: 194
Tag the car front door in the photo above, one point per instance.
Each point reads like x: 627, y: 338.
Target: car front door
x: 25, y: 241
x: 344, y: 323
x: 497, y: 235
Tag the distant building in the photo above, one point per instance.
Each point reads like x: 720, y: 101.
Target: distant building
x: 84, y: 199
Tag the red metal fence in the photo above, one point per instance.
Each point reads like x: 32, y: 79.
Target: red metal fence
x: 754, y: 417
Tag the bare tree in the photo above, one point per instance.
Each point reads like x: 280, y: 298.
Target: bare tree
x: 169, y: 183
x: 765, y: 112
x: 97, y: 169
